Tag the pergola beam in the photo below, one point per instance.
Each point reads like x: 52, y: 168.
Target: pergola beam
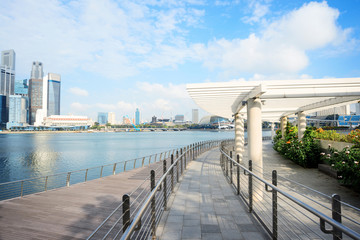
x: 256, y: 92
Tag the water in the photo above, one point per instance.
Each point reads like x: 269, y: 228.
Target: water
x: 24, y: 156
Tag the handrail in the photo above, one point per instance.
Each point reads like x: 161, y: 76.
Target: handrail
x: 193, y: 151
x: 43, y: 180
x: 322, y: 217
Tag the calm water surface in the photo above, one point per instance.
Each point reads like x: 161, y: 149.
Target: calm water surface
x: 30, y: 155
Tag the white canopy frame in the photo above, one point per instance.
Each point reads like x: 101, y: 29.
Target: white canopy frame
x: 271, y: 101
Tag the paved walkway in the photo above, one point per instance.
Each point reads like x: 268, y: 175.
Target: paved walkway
x: 206, y: 207
x: 72, y: 212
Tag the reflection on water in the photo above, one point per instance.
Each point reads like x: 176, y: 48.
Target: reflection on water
x: 25, y: 156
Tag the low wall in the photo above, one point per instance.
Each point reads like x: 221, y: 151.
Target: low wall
x: 324, y: 145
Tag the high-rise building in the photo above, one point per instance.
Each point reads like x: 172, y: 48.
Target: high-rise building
x: 195, y: 116
x: 7, y: 77
x: 102, y: 118
x: 154, y: 119
x: 18, y: 111
x: 137, y: 117
x: 21, y: 87
x: 35, y: 90
x: 3, y: 113
x: 111, y: 118
x: 53, y: 94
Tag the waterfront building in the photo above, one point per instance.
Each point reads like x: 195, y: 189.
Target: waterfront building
x: 111, y: 118
x: 67, y: 120
x: 195, y: 116
x: 137, y: 117
x: 35, y: 90
x: 102, y: 118
x: 53, y: 93
x: 18, y: 111
x: 3, y: 111
x: 154, y: 119
x: 126, y: 120
x: 179, y: 119
x: 7, y: 77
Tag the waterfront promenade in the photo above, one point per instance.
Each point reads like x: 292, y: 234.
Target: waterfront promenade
x: 72, y: 212
x: 206, y: 207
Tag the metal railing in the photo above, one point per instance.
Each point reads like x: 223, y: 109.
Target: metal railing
x: 138, y: 219
x: 20, y: 188
x: 282, y: 215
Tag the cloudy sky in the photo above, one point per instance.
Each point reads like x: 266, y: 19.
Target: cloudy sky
x: 115, y: 56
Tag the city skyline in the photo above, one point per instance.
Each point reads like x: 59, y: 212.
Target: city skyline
x: 149, y: 50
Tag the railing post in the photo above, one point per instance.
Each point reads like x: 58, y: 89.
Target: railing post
x: 126, y: 211
x: 238, y: 174
x: 153, y: 217
x: 185, y: 157
x: 226, y: 166
x: 142, y: 164
x: 181, y: 160
x: 22, y: 189
x: 149, y: 159
x: 114, y: 169
x: 68, y: 179
x: 274, y: 207
x: 46, y: 182
x: 177, y: 166
x: 86, y: 173
x: 336, y: 215
x: 164, y: 171
x: 172, y: 173
x: 134, y: 163
x: 250, y: 188
x: 231, y: 168
x: 192, y: 151
x: 125, y: 166
x: 101, y: 172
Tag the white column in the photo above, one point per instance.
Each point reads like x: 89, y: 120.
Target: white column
x: 272, y: 130
x: 239, y: 135
x: 283, y: 122
x: 254, y: 131
x: 301, y: 124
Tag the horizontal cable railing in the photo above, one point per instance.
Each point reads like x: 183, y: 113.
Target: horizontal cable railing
x: 138, y: 219
x: 288, y: 214
x: 24, y: 187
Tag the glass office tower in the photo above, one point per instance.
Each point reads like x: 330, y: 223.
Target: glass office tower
x: 137, y: 117
x: 35, y: 90
x: 53, y: 94
x: 102, y: 118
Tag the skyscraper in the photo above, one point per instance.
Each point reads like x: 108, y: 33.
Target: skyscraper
x: 102, y: 118
x: 53, y: 94
x: 21, y: 87
x: 137, y: 117
x: 111, y: 118
x: 35, y: 90
x: 7, y: 77
x: 18, y: 111
x: 195, y: 116
x: 3, y: 113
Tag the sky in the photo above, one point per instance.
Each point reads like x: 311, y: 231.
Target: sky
x: 116, y: 56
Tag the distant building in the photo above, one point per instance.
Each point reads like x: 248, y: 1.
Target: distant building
x: 179, y: 118
x: 21, y: 88
x: 3, y: 111
x: 137, y: 117
x: 195, y: 116
x: 343, y: 110
x: 18, y: 111
x: 213, y: 120
x: 7, y: 78
x: 53, y: 93
x: 102, y: 118
x: 67, y: 120
x: 154, y: 119
x: 126, y: 120
x: 111, y: 118
x: 35, y: 90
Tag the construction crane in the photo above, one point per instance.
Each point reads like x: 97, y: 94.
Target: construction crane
x: 136, y: 129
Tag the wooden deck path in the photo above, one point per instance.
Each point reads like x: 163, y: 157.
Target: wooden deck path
x: 69, y: 213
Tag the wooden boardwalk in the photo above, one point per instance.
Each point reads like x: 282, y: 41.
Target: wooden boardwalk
x: 69, y: 213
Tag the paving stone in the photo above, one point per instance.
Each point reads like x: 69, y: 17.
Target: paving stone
x: 210, y: 228
x: 191, y: 232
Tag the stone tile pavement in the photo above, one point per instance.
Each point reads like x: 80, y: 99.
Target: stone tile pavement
x: 206, y: 207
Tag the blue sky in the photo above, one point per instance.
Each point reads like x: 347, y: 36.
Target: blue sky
x: 115, y: 56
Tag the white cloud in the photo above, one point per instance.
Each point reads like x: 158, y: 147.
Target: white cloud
x: 79, y: 91
x: 282, y: 46
x: 104, y: 106
x: 126, y: 107
x: 259, y: 10
x: 163, y: 105
x: 170, y: 91
x: 113, y: 38
x: 79, y: 106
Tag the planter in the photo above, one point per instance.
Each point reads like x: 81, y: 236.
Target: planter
x: 324, y: 145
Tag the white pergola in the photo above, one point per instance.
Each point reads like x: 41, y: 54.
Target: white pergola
x: 272, y: 101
